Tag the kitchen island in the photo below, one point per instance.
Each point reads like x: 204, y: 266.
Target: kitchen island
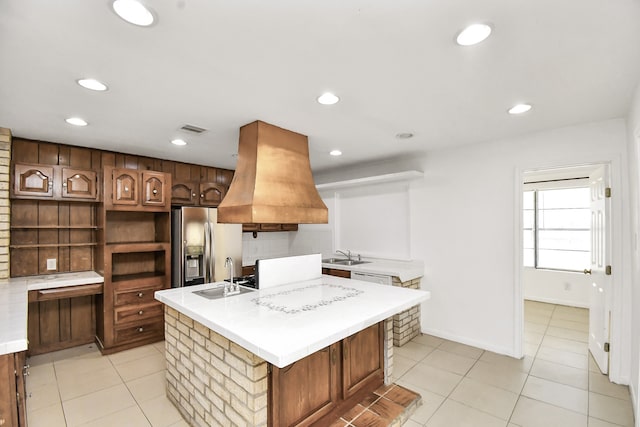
x: 228, y: 359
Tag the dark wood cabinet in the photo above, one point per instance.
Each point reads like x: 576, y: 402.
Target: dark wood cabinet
x: 193, y: 193
x: 211, y: 193
x: 33, y: 181
x: 184, y: 193
x: 154, y: 186
x: 12, y: 389
x: 79, y: 184
x: 321, y: 385
x: 52, y: 182
x: 136, y: 260
x: 363, y: 356
x: 130, y: 189
x: 198, y: 185
x: 61, y: 318
x: 306, y: 390
x: 124, y: 186
x: 335, y: 272
x: 269, y: 227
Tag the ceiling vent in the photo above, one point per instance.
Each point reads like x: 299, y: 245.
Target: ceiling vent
x: 193, y: 129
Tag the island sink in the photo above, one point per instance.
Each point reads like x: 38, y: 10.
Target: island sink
x: 218, y: 292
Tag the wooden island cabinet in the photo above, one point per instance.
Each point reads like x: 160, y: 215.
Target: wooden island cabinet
x: 341, y: 375
x: 311, y: 350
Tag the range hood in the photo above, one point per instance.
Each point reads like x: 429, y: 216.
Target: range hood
x: 272, y: 183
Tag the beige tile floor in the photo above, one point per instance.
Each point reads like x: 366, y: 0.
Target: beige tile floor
x: 556, y: 384
x: 80, y: 387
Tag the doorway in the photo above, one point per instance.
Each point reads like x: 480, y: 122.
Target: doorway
x: 565, y: 246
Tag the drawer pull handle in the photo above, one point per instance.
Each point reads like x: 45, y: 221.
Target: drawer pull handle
x: 140, y: 294
x: 140, y: 329
x: 155, y: 191
x: 140, y: 312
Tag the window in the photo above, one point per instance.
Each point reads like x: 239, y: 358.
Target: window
x: 556, y: 227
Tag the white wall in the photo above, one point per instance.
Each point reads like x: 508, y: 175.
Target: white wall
x: 464, y: 216
x: 468, y: 214
x: 556, y: 287
x: 634, y: 173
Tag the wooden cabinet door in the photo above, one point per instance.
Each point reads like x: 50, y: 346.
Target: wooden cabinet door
x: 306, y: 390
x: 211, y: 193
x: 184, y: 193
x: 21, y: 370
x: 33, y: 180
x: 154, y: 185
x: 79, y: 184
x: 8, y: 402
x: 363, y: 359
x: 124, y: 182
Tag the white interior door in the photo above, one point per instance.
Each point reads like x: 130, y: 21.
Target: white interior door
x: 599, y: 307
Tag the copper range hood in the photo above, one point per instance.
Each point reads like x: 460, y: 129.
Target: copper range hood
x: 272, y: 183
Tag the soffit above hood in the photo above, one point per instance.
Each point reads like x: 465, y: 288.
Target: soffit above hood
x: 272, y: 183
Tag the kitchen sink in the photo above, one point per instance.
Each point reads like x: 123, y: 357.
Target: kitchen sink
x: 344, y: 261
x: 334, y: 260
x: 218, y: 292
x: 352, y: 262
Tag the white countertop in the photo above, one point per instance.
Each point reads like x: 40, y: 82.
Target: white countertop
x: 405, y: 270
x: 13, y: 317
x: 286, y: 323
x: 14, y: 300
x: 58, y: 280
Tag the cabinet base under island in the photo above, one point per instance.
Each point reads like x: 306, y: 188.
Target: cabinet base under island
x: 214, y: 381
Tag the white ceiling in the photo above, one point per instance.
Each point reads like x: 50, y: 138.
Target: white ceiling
x: 221, y: 64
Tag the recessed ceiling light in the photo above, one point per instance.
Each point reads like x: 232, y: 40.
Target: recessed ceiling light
x: 335, y: 152
x: 328, y: 98
x: 404, y: 135
x: 519, y: 109
x: 473, y: 34
x: 76, y: 121
x: 92, y: 84
x: 179, y: 142
x: 133, y: 12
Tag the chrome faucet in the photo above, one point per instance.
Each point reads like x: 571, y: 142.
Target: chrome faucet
x: 231, y: 288
x: 347, y: 254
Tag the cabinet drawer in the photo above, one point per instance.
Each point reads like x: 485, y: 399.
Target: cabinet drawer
x: 140, y: 331
x: 137, y: 313
x: 138, y: 296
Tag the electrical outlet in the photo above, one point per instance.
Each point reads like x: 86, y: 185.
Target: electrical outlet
x: 51, y: 264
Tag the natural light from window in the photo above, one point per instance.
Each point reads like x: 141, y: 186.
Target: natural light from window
x: 556, y: 229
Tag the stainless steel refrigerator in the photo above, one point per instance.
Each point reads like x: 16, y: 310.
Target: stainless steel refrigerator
x: 200, y: 246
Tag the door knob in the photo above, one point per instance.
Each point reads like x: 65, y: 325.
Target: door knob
x: 585, y: 271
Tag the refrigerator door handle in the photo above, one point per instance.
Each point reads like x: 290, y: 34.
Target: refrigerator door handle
x: 207, y: 254
x: 212, y: 254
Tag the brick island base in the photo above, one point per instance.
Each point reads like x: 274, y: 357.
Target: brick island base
x: 406, y: 325
x: 213, y: 381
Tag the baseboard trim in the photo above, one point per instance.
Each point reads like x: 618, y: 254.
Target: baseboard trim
x: 469, y: 341
x: 556, y: 301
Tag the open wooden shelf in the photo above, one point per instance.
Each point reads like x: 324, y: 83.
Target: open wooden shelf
x: 54, y: 227
x: 52, y: 245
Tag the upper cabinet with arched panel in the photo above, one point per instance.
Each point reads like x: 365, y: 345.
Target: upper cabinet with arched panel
x: 53, y: 182
x: 131, y: 189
